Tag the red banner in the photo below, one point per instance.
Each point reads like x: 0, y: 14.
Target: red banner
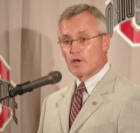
x: 4, y: 70
x: 5, y: 112
x: 5, y: 117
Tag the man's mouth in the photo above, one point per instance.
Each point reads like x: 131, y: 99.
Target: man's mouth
x: 76, y: 61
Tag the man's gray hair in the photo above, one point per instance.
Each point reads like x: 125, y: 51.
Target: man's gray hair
x: 77, y: 9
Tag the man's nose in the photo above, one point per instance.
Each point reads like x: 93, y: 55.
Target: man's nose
x: 75, y: 46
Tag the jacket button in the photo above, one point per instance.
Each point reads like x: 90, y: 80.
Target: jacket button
x: 94, y: 103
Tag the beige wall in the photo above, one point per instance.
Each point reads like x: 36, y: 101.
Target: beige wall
x: 28, y: 42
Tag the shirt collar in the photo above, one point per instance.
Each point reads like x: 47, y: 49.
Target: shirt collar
x: 91, y: 82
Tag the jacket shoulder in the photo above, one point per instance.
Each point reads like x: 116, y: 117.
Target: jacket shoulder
x: 54, y: 97
x: 127, y: 87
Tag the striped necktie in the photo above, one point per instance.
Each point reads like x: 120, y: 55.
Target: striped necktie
x: 77, y: 102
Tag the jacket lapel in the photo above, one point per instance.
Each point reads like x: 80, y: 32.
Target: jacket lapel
x: 64, y: 105
x: 87, y: 110
x: 95, y: 100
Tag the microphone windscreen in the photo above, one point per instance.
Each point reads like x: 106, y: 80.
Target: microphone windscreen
x: 55, y: 76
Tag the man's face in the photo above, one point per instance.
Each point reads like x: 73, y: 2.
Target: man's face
x: 83, y: 60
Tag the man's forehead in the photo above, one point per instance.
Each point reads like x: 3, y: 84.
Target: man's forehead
x: 81, y: 24
x: 84, y: 32
x: 81, y: 20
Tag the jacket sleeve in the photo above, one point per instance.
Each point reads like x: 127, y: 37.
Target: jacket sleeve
x: 129, y: 119
x: 42, y: 116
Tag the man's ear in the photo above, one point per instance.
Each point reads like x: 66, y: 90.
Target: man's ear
x: 106, y: 42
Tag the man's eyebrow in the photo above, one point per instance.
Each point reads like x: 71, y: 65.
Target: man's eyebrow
x: 65, y: 36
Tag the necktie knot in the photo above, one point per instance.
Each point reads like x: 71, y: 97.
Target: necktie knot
x: 81, y: 88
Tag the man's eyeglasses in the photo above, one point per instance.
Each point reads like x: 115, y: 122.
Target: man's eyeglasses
x: 82, y: 40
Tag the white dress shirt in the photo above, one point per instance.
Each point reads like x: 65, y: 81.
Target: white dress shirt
x: 91, y: 82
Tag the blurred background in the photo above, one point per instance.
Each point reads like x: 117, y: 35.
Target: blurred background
x: 28, y: 43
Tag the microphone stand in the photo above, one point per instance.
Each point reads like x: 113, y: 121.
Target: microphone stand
x: 9, y: 87
x: 14, y: 104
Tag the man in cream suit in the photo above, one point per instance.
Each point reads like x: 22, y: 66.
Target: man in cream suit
x: 110, y: 103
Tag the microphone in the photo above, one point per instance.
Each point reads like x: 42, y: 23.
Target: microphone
x: 51, y: 78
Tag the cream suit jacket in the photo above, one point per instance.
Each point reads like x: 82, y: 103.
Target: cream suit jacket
x: 112, y: 107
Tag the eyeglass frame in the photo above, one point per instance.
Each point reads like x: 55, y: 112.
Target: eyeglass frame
x: 86, y: 39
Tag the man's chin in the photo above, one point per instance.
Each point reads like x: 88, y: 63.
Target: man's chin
x: 77, y: 74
